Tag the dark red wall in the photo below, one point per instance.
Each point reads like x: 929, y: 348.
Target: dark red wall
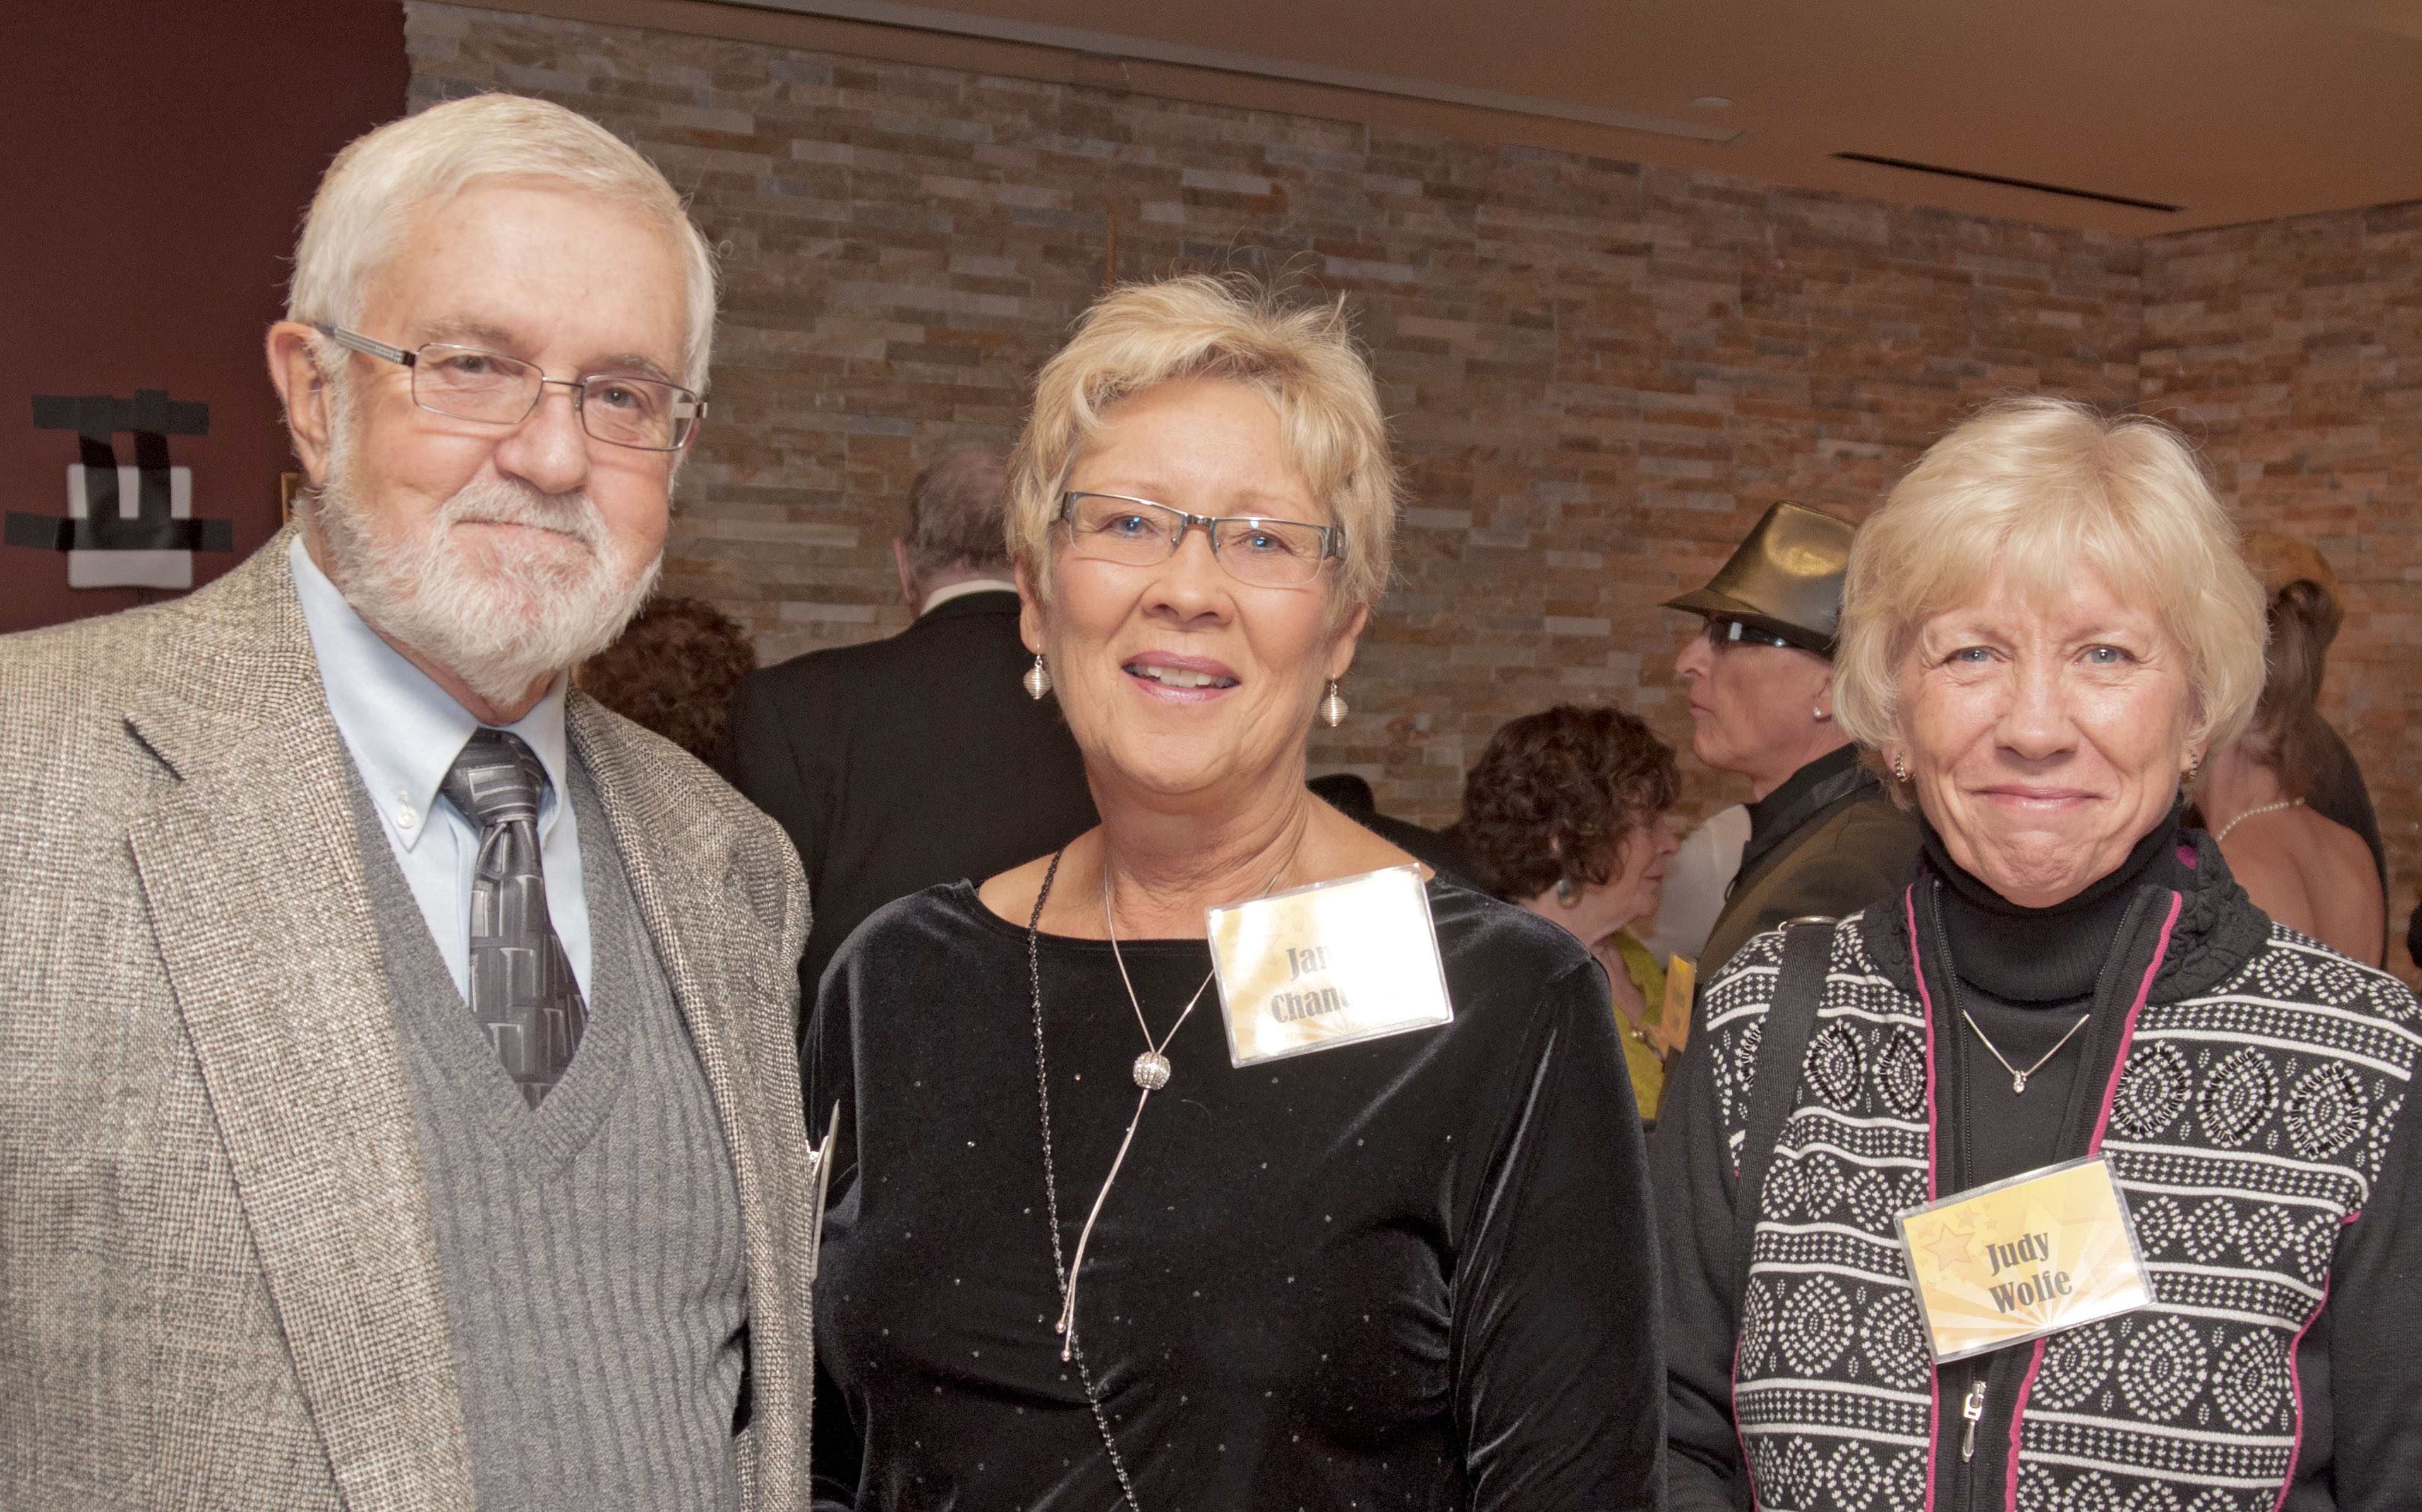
x: 155, y: 156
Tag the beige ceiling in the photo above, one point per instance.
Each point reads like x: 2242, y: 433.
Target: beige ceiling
x: 2233, y: 110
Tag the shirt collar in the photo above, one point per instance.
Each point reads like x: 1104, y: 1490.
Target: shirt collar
x: 1776, y: 817
x: 973, y: 585
x: 402, y: 729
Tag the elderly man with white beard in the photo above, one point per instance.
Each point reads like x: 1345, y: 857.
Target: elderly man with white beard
x: 398, y: 1101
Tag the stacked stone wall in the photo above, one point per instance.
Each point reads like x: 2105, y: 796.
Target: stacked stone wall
x: 1599, y: 374
x: 2292, y: 351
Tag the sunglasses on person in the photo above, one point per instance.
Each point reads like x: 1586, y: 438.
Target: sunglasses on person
x: 1721, y: 632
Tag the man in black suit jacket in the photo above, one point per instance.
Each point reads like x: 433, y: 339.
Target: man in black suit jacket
x: 904, y: 763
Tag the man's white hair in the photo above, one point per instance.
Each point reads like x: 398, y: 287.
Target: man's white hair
x: 378, y: 186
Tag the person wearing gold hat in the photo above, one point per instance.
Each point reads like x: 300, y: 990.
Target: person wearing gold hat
x: 1824, y: 838
x: 2302, y: 867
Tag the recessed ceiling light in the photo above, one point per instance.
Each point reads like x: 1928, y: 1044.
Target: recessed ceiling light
x: 1712, y: 102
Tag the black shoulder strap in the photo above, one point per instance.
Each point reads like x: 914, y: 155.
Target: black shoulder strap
x: 1781, y: 1047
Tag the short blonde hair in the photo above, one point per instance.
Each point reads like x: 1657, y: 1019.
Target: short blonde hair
x: 2036, y: 486
x: 382, y: 180
x: 1302, y: 359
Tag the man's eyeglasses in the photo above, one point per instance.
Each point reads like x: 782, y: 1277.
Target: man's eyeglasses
x: 1141, y: 534
x: 1721, y: 632
x: 470, y: 385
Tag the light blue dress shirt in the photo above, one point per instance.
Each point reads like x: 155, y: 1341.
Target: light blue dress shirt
x: 404, y: 732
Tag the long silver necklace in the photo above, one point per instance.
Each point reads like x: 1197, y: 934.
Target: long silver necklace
x: 2019, y: 1077
x: 1151, y: 1072
x: 2267, y: 807
x: 1051, y: 1186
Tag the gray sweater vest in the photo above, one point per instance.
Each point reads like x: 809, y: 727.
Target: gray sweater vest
x: 591, y: 1247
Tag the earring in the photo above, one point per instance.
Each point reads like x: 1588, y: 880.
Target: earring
x: 2195, y: 765
x: 1037, y: 678
x: 1901, y: 769
x: 1332, y: 706
x: 1569, y: 892
x: 1819, y: 715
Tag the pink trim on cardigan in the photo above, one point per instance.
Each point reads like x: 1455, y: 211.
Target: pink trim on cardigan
x: 2296, y: 1387
x: 1739, y: 1436
x: 1933, y: 1162
x: 2128, y: 1031
x: 2017, y: 1420
x: 1917, y: 968
x: 2094, y: 1145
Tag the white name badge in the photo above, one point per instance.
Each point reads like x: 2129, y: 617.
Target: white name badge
x: 1327, y: 965
x: 2021, y: 1258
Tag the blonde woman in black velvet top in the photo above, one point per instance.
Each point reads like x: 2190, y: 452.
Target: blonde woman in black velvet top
x: 1412, y: 1271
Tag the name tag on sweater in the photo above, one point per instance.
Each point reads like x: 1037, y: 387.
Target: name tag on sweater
x: 1331, y: 964
x: 2021, y: 1258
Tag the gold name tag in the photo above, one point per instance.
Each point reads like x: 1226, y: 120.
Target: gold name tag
x: 1327, y: 965
x: 2025, y: 1257
x: 1671, y: 1034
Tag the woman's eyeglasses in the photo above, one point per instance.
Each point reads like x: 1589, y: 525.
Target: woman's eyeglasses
x: 1141, y: 534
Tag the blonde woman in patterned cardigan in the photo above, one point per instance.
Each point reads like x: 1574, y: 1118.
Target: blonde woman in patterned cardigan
x: 2045, y: 630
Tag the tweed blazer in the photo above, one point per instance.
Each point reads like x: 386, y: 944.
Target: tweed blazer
x: 219, y: 1282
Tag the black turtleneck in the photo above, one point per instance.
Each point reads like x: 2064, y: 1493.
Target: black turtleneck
x: 2043, y: 957
x: 2025, y: 976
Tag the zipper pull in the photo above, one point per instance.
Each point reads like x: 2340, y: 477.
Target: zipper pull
x: 1972, y: 1409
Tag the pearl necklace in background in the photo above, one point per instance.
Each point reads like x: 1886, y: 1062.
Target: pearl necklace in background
x: 2222, y: 834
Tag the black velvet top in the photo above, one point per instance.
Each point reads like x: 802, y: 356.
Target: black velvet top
x: 1411, y: 1272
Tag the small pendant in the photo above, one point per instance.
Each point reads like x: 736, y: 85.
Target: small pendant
x: 1151, y: 1071
x: 2019, y: 1083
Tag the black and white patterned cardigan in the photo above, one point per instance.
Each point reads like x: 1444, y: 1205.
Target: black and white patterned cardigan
x: 2246, y: 1120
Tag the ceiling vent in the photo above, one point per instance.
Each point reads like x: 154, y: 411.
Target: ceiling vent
x: 2008, y: 183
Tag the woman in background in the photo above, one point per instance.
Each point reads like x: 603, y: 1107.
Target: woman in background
x: 1565, y: 811
x: 673, y: 671
x: 2309, y: 873
x: 1697, y: 881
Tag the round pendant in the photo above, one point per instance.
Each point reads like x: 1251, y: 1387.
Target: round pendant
x: 1151, y: 1071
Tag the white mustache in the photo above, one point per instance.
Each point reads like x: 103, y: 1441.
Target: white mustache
x: 499, y: 620
x: 505, y: 501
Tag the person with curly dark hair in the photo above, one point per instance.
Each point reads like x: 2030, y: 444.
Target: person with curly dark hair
x: 1565, y: 814
x: 673, y: 671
